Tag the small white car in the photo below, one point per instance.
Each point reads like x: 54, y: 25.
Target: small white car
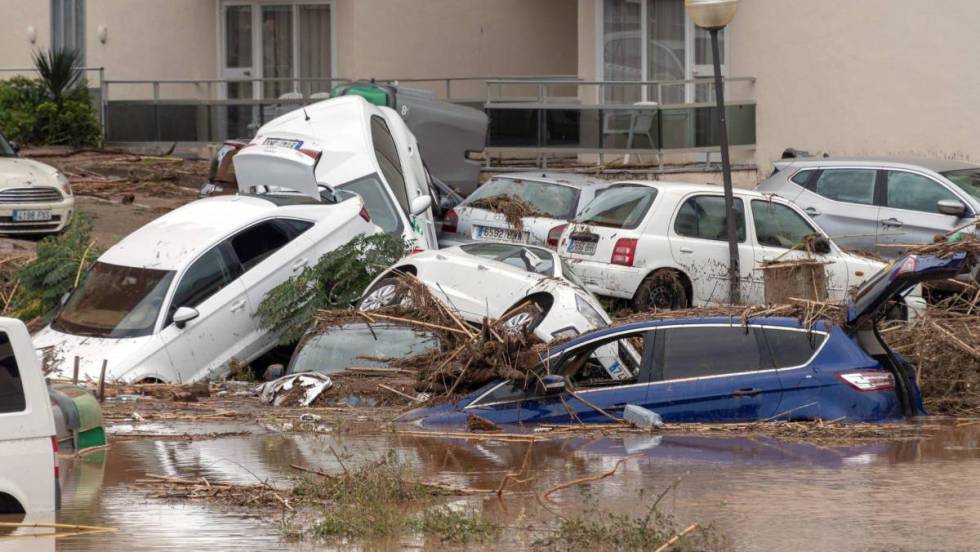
x: 34, y: 198
x: 354, y: 147
x: 638, y: 238
x: 28, y: 447
x: 175, y: 301
x: 559, y: 196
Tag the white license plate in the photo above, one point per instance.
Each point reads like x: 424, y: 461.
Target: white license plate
x: 581, y: 247
x: 499, y: 234
x: 32, y: 215
x: 283, y: 143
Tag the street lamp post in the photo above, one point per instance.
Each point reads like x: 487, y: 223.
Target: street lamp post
x: 713, y: 16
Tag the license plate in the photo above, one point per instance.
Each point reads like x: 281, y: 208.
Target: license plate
x: 581, y: 247
x: 500, y: 234
x: 283, y: 143
x: 32, y: 215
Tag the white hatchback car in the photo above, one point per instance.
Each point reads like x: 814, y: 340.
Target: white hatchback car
x: 557, y: 196
x: 636, y: 232
x: 175, y: 301
x: 28, y: 447
x: 34, y: 198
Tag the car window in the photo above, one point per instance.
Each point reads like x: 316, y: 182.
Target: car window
x: 208, y: 275
x: 540, y: 262
x: 967, y: 180
x: 554, y: 200
x: 619, y: 207
x: 362, y: 346
x: 850, y: 185
x: 257, y: 242
x: 699, y: 351
x: 792, y: 347
x: 378, y: 203
x: 803, y: 177
x: 778, y: 225
x: 294, y: 227
x: 387, y: 153
x: 115, y: 301
x: 11, y: 388
x: 704, y: 217
x: 912, y: 191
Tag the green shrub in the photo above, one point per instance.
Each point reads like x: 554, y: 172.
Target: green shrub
x: 19, y: 98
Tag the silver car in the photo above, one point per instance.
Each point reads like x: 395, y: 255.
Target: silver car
x: 878, y: 204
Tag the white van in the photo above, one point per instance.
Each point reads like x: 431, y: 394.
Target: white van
x: 28, y: 448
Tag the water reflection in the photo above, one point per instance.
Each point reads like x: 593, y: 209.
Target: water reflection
x: 764, y: 493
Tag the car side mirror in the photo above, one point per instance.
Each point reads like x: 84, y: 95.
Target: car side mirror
x: 420, y: 204
x: 821, y: 246
x: 185, y: 315
x: 551, y: 384
x: 951, y: 207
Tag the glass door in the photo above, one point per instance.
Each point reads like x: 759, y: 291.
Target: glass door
x: 277, y: 50
x: 702, y: 66
x: 237, y: 63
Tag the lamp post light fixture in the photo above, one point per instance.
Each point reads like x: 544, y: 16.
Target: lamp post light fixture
x: 713, y: 16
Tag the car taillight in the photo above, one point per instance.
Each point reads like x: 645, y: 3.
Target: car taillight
x: 414, y: 251
x: 624, y: 252
x: 313, y: 154
x: 872, y: 380
x: 365, y: 215
x: 908, y: 267
x: 54, y: 447
x: 449, y: 222
x: 555, y: 234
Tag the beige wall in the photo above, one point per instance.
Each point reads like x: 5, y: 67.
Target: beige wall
x: 15, y: 17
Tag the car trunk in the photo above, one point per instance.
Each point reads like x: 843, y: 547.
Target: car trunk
x: 485, y: 225
x: 593, y: 242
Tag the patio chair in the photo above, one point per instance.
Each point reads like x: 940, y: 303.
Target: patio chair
x: 640, y: 123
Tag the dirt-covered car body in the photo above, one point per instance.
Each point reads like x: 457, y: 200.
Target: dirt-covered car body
x: 176, y: 300
x: 636, y: 239
x: 34, y: 198
x: 556, y: 197
x: 353, y: 147
x: 721, y: 369
x: 360, y: 345
x: 490, y: 280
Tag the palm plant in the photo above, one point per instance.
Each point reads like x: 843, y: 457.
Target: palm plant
x: 59, y: 70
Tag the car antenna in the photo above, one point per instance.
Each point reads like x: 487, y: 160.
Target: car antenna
x: 306, y: 115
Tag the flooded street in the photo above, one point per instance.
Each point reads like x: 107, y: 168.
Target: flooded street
x: 760, y: 492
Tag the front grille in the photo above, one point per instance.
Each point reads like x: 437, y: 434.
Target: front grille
x: 29, y: 195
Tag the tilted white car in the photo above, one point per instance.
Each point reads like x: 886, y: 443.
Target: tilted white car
x: 635, y: 233
x: 353, y: 147
x: 34, y: 198
x: 560, y: 196
x: 175, y: 301
x: 494, y: 280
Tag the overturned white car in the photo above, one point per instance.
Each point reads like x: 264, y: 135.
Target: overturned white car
x: 175, y: 301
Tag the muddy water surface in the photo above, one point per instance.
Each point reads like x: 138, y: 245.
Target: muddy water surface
x: 763, y: 493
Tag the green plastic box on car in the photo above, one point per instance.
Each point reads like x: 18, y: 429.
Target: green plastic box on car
x: 371, y: 92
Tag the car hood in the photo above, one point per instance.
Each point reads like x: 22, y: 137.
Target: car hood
x: 120, y: 355
x: 17, y: 172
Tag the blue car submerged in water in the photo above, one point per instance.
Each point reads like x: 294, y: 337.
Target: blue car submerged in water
x: 721, y: 369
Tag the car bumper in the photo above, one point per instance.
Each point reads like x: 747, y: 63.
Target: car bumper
x: 61, y: 213
x: 608, y: 279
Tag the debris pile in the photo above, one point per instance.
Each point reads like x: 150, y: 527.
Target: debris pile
x: 808, y: 312
x: 514, y: 209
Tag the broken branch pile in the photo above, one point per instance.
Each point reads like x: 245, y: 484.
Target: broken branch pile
x: 513, y: 208
x: 808, y: 312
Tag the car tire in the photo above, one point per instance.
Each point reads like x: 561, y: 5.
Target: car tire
x: 388, y: 292
x: 523, y: 317
x: 662, y: 290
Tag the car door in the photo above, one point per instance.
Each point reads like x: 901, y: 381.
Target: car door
x: 475, y: 286
x: 842, y: 202
x: 909, y: 211
x: 712, y: 373
x: 588, y: 385
x: 699, y: 244
x: 779, y: 228
x: 389, y: 161
x: 212, y: 286
x: 792, y: 351
x: 270, y: 252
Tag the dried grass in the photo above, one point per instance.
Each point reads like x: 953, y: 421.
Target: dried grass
x: 513, y: 208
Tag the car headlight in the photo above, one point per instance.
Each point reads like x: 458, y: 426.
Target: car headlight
x: 63, y: 182
x: 589, y: 312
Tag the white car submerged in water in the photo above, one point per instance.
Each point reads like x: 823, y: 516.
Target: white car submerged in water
x: 176, y: 300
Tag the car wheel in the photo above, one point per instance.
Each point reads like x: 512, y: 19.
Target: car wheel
x: 523, y: 318
x: 662, y: 290
x: 389, y: 292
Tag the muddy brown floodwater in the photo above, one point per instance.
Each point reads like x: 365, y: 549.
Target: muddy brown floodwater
x: 763, y: 493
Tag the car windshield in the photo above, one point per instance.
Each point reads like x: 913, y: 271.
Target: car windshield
x: 555, y: 200
x: 967, y: 180
x: 5, y: 149
x: 360, y: 345
x: 619, y: 207
x: 568, y: 273
x: 528, y: 259
x: 115, y: 301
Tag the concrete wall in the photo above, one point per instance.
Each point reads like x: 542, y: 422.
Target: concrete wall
x: 15, y: 17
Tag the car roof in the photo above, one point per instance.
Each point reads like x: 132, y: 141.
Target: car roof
x: 572, y: 180
x: 937, y: 165
x: 172, y: 240
x: 687, y: 187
